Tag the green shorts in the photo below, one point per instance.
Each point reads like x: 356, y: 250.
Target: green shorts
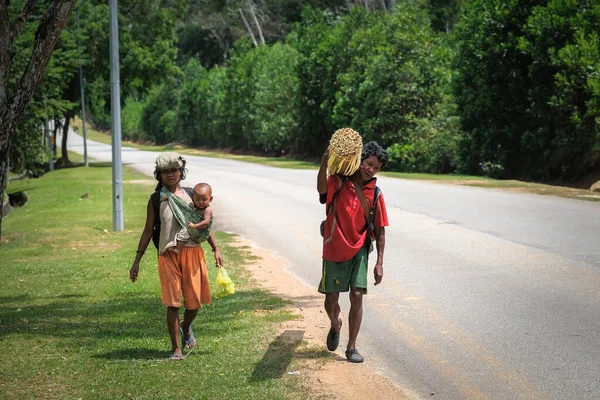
x: 341, y: 276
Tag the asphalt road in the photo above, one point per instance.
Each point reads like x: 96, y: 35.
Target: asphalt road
x: 486, y: 294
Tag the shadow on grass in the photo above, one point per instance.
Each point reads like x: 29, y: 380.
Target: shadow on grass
x: 278, y: 356
x: 100, y: 164
x: 20, y: 189
x: 13, y: 299
x: 127, y: 318
x: 134, y: 354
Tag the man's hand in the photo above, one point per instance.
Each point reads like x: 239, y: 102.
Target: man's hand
x: 378, y: 272
x: 325, y: 157
x: 133, y: 272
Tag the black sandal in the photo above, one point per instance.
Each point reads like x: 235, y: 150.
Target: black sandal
x: 333, y: 340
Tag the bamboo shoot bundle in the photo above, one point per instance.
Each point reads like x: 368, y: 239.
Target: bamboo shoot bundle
x: 345, y: 148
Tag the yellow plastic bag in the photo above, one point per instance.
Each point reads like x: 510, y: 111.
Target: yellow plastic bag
x: 224, y: 284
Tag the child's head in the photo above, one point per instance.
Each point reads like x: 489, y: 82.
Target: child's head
x: 202, y: 195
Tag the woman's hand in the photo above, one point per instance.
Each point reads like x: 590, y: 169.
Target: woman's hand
x: 133, y: 272
x: 218, y: 258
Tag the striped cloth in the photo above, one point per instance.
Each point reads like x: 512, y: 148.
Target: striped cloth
x: 185, y: 213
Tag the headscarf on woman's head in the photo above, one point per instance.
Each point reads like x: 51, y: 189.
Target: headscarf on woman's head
x: 169, y: 160
x: 166, y: 161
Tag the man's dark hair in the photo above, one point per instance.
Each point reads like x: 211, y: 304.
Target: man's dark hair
x: 374, y: 149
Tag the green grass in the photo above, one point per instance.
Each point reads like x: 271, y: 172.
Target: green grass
x: 466, y: 180
x: 508, y: 184
x: 434, y: 177
x: 72, y: 325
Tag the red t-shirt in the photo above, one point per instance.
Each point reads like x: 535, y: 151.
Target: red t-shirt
x: 350, y: 230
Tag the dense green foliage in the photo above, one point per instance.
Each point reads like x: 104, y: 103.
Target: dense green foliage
x: 501, y: 88
x: 527, y: 87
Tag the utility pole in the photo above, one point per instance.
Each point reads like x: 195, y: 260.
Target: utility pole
x: 117, y: 172
x: 48, y: 145
x: 82, y: 91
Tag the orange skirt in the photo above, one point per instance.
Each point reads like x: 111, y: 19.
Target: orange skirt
x: 184, y: 276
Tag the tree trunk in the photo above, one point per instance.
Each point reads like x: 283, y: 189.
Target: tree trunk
x: 13, y: 103
x: 4, y: 146
x: 383, y: 7
x: 64, y: 154
x: 260, y: 34
x: 71, y: 93
x: 248, y: 28
x: 57, y: 126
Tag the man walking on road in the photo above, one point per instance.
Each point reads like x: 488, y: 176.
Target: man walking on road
x: 347, y: 239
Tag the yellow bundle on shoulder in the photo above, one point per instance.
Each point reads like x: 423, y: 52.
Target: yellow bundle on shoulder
x: 345, y: 149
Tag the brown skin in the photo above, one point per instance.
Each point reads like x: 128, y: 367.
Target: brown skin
x: 170, y: 180
x: 367, y: 170
x: 202, y: 198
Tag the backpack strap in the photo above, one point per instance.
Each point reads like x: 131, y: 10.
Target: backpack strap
x: 369, y: 211
x: 155, y: 200
x: 376, y: 193
x: 189, y: 191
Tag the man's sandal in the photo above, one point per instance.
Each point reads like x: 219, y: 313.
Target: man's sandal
x: 176, y: 357
x: 353, y: 356
x: 333, y: 339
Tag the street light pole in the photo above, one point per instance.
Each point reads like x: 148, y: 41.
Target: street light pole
x: 82, y: 91
x: 117, y: 173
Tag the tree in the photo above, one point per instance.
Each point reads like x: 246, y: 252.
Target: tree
x: 27, y: 151
x: 492, y: 84
x: 14, y: 100
x: 147, y: 38
x: 444, y: 13
x: 527, y: 87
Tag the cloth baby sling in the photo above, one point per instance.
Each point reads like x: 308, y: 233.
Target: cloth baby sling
x: 183, y: 213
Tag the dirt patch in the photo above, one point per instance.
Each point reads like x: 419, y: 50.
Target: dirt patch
x: 330, y: 378
x: 143, y: 181
x: 103, y: 247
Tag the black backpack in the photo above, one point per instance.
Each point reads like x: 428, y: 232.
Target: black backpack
x: 155, y: 200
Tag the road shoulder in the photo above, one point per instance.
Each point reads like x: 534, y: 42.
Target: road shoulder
x: 335, y: 378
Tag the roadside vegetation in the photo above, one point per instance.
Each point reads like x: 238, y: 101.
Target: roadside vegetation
x: 490, y: 88
x: 73, y: 326
x: 284, y: 162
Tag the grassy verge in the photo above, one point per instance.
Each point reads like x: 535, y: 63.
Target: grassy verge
x: 465, y: 180
x: 72, y: 325
x: 508, y: 184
